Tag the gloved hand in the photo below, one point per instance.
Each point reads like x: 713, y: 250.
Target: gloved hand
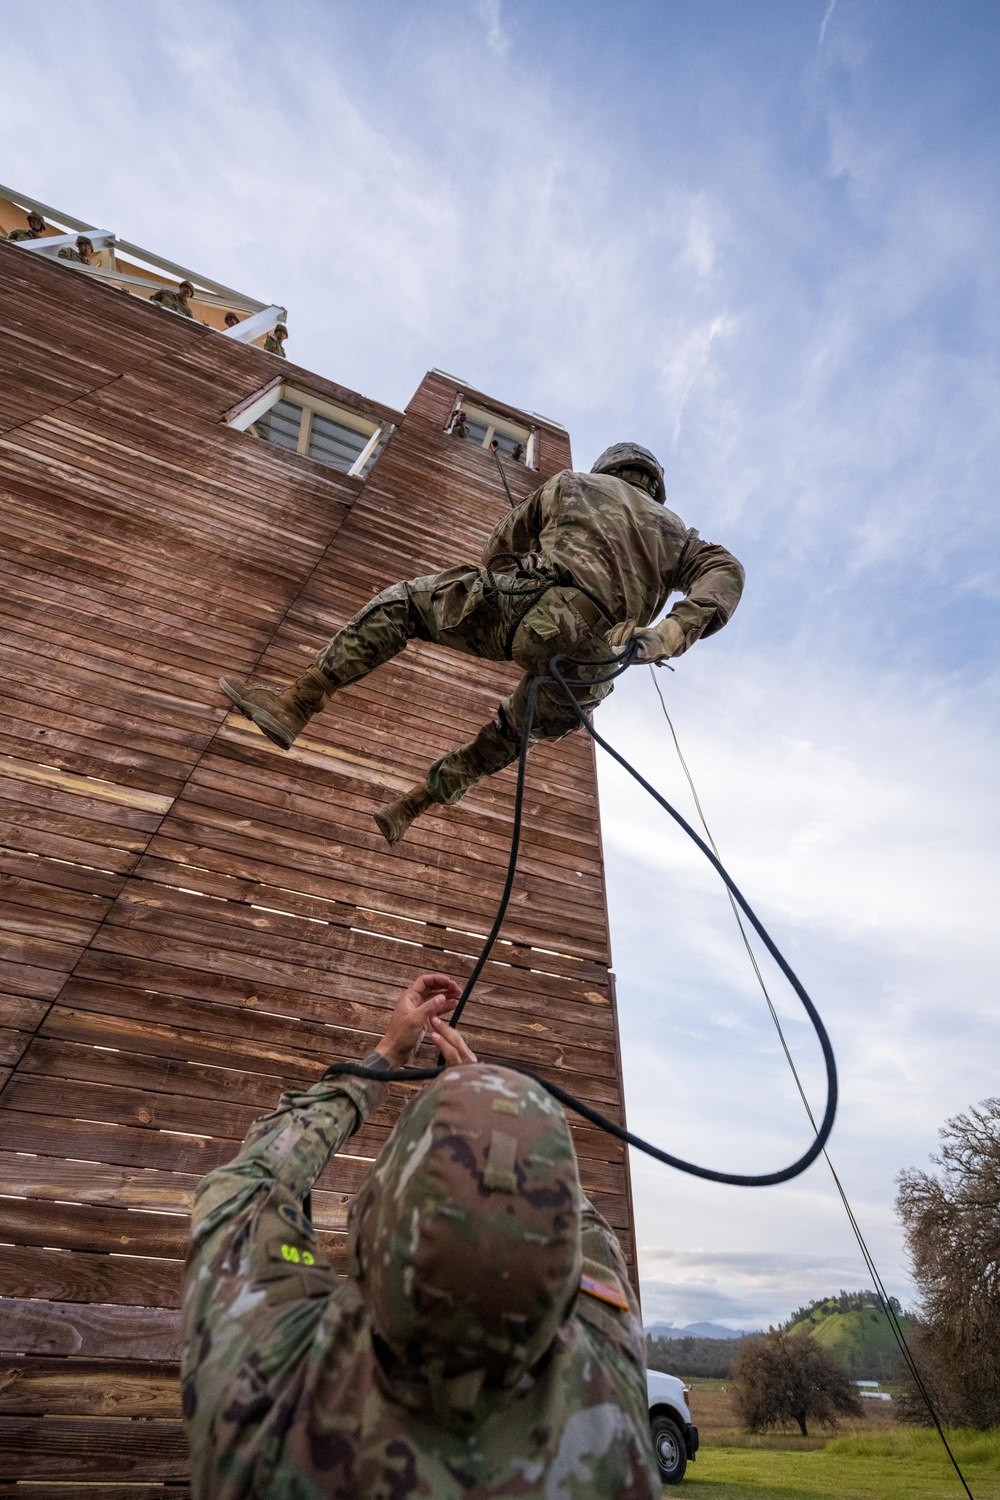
x: 656, y: 643
x: 619, y: 637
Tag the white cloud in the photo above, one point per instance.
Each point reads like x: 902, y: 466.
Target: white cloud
x: 683, y: 1286
x: 826, y: 784
x: 688, y: 364
x: 497, y: 36
x: 701, y: 248
x: 835, y: 800
x: 827, y: 18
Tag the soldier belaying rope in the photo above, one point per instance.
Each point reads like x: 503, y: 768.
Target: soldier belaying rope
x: 580, y: 568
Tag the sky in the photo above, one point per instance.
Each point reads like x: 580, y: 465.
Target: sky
x: 762, y: 239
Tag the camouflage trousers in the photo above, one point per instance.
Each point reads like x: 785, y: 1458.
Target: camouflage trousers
x: 520, y: 619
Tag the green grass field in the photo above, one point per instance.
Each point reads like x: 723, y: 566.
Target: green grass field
x: 775, y: 1474
x: 875, y: 1460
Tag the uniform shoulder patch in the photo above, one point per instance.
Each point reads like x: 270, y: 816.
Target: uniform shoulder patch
x: 604, y: 1291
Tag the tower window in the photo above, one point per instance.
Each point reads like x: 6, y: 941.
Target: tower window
x: 335, y: 443
x: 281, y: 424
x: 303, y: 423
x: 471, y: 424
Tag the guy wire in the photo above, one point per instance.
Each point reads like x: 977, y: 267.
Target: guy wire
x: 880, y: 1290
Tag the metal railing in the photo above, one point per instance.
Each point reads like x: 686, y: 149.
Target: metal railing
x: 262, y: 317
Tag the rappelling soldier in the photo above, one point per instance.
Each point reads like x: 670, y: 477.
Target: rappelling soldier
x: 486, y: 1343
x: 580, y: 567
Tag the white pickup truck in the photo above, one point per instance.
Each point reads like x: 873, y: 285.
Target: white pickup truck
x: 675, y: 1437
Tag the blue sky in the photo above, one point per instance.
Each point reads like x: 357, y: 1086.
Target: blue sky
x: 761, y: 238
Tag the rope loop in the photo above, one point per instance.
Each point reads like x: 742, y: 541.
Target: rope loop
x: 621, y: 662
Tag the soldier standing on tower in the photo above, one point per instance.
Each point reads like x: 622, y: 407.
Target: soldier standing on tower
x: 178, y: 302
x: 486, y: 1343
x: 275, y: 342
x: 34, y: 231
x: 580, y: 567
x: 83, y: 254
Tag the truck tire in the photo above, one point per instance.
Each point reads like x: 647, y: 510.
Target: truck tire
x: 668, y: 1445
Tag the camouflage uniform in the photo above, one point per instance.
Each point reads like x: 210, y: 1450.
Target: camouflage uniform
x: 274, y: 345
x: 487, y: 1345
x: 584, y: 553
x: 174, y: 301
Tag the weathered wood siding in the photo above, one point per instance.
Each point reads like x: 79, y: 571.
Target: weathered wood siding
x: 192, y: 919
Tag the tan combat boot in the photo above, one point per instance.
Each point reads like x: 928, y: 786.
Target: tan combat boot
x: 395, y: 818
x: 281, y: 716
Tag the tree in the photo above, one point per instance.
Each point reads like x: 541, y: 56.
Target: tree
x: 691, y: 1356
x: 952, y: 1225
x: 844, y: 1302
x: 787, y: 1377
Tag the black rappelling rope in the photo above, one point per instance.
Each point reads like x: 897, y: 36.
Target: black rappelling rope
x: 419, y: 1075
x: 495, y: 450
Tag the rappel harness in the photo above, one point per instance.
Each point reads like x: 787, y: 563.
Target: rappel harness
x: 619, y: 663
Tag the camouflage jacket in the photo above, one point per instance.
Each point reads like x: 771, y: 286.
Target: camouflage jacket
x: 172, y: 300
x: 625, y: 551
x: 285, y: 1397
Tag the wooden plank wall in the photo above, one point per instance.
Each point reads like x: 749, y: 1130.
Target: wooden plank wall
x: 192, y: 919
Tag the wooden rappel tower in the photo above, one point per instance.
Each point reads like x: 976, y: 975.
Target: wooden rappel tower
x: 191, y: 919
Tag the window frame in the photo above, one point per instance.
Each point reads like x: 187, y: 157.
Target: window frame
x: 492, y: 421
x: 313, y: 405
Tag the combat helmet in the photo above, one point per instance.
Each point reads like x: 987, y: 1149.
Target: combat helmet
x: 465, y: 1238
x: 632, y: 456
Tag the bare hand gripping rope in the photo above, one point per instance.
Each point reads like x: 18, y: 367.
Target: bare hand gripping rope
x: 419, y: 1075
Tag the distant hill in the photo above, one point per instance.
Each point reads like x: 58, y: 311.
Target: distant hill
x: 693, y: 1331
x: 856, y: 1331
